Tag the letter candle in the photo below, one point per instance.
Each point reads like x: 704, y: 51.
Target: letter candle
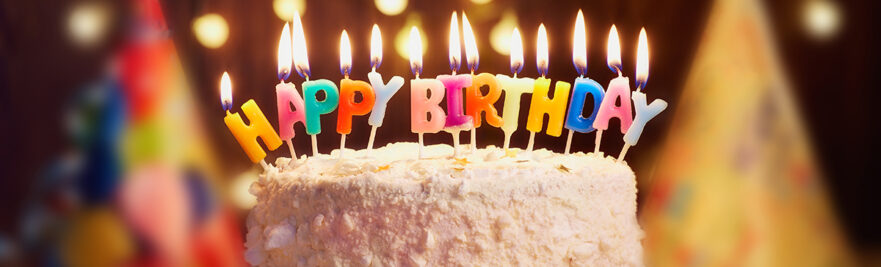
x: 247, y: 135
x: 312, y: 107
x: 477, y: 103
x: 348, y: 89
x: 513, y: 87
x: 619, y: 88
x: 541, y: 104
x: 575, y: 122
x: 384, y: 92
x: 286, y: 94
x: 420, y: 104
x: 456, y: 119
x: 644, y: 112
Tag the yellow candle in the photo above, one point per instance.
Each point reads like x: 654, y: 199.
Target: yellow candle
x: 247, y: 135
x: 541, y: 104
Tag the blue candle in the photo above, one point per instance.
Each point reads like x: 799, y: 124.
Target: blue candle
x: 575, y: 121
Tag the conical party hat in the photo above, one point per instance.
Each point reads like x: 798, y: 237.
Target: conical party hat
x: 737, y: 183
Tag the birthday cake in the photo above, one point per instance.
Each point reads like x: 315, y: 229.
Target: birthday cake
x: 489, y: 208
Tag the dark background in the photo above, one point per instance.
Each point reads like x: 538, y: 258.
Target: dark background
x: 833, y: 80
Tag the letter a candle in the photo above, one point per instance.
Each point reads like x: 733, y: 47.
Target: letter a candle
x: 456, y: 119
x: 286, y: 94
x: 476, y: 102
x: 313, y: 108
x: 513, y: 87
x: 384, y: 92
x: 347, y: 105
x: 575, y: 122
x: 247, y: 135
x: 541, y: 104
x: 644, y: 112
x: 420, y: 104
x: 619, y: 88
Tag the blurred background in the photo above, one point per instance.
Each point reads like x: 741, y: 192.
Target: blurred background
x: 114, y: 150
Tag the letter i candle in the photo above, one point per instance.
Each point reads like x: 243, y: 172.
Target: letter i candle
x: 644, y: 112
x: 619, y: 88
x: 575, y: 122
x: 420, y: 104
x: 383, y: 91
x: 348, y: 88
x: 541, y: 104
x: 456, y: 120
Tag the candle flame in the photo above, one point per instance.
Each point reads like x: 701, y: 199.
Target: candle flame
x: 345, y: 54
x: 301, y: 59
x: 225, y: 91
x: 375, y: 47
x: 613, y: 50
x: 455, y: 47
x: 284, y: 54
x: 471, y: 55
x: 579, y: 45
x: 642, y: 60
x: 541, y: 51
x: 516, y: 52
x: 415, y: 51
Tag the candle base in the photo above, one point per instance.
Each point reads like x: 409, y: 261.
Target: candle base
x: 455, y: 134
x: 623, y: 152
x: 473, y: 146
x: 507, y: 141
x: 293, y: 153
x: 314, y: 145
x: 531, y: 142
x: 568, y: 142
x: 370, y: 141
x: 421, y: 144
x: 342, y: 145
x: 596, y: 142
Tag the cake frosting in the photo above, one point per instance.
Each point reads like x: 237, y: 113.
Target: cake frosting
x: 489, y: 208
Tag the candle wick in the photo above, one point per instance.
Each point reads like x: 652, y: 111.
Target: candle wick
x: 373, y: 69
x: 472, y: 72
x: 454, y: 72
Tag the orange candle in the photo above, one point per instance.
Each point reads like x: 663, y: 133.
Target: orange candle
x: 477, y: 103
x: 348, y: 107
x: 245, y: 134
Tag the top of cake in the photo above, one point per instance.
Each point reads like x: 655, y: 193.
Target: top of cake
x: 488, y: 208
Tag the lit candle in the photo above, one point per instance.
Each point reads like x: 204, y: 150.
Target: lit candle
x: 456, y: 119
x: 384, y: 92
x: 312, y: 107
x: 247, y: 135
x: 575, y: 122
x: 286, y: 94
x: 541, y: 104
x: 644, y: 112
x: 513, y: 88
x: 420, y: 104
x: 618, y: 91
x: 348, y: 89
x: 476, y: 102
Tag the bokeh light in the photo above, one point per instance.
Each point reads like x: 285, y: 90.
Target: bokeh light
x: 239, y: 190
x: 480, y: 2
x: 211, y: 30
x: 822, y: 18
x: 391, y: 7
x: 500, y: 36
x: 284, y: 9
x: 87, y: 23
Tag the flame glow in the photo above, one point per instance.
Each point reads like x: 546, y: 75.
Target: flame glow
x: 284, y: 54
x: 541, y: 51
x: 642, y: 60
x: 455, y: 47
x: 345, y: 54
x: 516, y: 52
x: 579, y: 45
x: 471, y: 55
x: 375, y: 47
x: 415, y: 51
x: 225, y: 91
x: 613, y: 50
x: 301, y: 59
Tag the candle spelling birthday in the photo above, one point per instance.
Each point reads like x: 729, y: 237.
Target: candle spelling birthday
x: 618, y: 91
x: 476, y: 102
x: 541, y: 104
x: 513, y: 88
x: 575, y: 122
x: 421, y: 104
x: 456, y: 120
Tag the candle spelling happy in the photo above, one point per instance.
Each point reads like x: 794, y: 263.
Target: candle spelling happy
x: 286, y: 94
x: 644, y: 112
x: 384, y: 91
x: 476, y: 102
x: 247, y: 135
x: 513, y: 88
x: 541, y: 104
x: 312, y: 107
x: 575, y: 122
x: 618, y: 91
x: 422, y: 105
x: 348, y: 88
x: 456, y: 119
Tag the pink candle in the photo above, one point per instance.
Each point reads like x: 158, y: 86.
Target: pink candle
x: 456, y: 118
x: 421, y: 105
x: 619, y: 91
x: 286, y: 96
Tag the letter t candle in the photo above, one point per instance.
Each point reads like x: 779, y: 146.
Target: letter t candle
x: 513, y: 87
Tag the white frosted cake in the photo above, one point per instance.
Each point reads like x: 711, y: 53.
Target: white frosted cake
x: 490, y: 209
